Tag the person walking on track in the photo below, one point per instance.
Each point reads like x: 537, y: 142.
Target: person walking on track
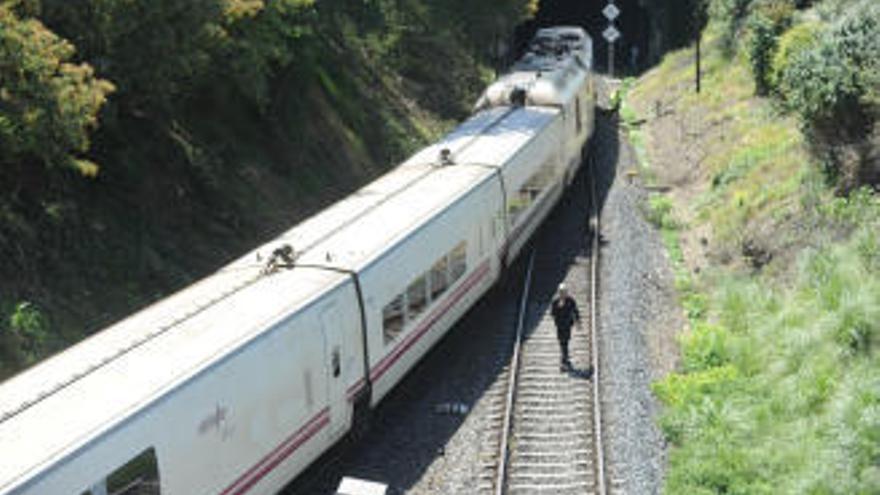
x: 565, y: 315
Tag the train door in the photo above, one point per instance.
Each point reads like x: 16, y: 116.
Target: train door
x: 331, y: 328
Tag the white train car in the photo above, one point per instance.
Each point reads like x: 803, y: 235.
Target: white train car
x: 571, y: 39
x: 555, y: 73
x: 237, y: 383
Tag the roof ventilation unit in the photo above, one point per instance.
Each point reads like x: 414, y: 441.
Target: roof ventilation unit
x: 446, y: 157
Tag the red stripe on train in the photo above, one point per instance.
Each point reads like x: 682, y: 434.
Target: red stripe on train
x: 398, y: 351
x: 253, y: 475
x: 247, y: 480
x: 426, y: 325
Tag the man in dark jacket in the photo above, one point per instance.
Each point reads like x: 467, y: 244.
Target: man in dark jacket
x: 565, y: 315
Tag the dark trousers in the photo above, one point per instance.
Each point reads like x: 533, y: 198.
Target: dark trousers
x: 564, y: 335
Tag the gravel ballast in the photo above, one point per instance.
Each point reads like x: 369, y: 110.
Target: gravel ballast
x: 639, y: 318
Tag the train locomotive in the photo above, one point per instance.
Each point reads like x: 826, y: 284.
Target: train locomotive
x: 237, y: 383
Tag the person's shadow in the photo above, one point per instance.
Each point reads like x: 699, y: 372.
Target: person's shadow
x: 582, y: 373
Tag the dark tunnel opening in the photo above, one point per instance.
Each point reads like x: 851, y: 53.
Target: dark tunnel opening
x: 648, y: 28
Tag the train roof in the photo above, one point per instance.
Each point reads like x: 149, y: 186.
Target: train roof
x: 547, y: 80
x: 573, y: 39
x: 484, y: 142
x: 358, y: 245
x: 398, y: 202
x: 491, y: 137
x: 314, y: 230
x: 551, y: 70
x: 133, y: 363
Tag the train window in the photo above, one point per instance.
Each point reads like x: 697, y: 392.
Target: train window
x: 542, y: 179
x: 439, y: 282
x: 139, y: 476
x: 310, y: 394
x: 577, y: 112
x: 417, y: 297
x: 515, y: 206
x: 457, y: 262
x: 529, y: 192
x: 392, y: 319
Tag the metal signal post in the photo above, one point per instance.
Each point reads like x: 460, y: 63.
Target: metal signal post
x: 611, y: 34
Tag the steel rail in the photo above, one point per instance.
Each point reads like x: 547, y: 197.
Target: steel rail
x: 503, y: 450
x: 594, y: 323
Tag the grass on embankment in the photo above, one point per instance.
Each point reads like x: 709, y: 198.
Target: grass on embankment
x: 779, y: 390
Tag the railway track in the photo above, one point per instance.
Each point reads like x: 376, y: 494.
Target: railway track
x: 544, y: 429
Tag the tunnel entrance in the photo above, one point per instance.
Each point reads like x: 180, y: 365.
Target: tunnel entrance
x: 648, y: 29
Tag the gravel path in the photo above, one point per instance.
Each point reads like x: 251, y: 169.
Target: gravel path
x: 418, y: 449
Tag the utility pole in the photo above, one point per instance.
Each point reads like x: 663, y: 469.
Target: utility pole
x: 611, y: 58
x: 698, y: 61
x: 697, y: 20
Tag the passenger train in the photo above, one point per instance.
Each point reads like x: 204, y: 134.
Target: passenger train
x: 237, y: 383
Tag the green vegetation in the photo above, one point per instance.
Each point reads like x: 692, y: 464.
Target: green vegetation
x: 792, y: 45
x: 661, y: 213
x: 779, y: 383
x: 822, y: 65
x: 48, y: 104
x: 780, y: 394
x: 145, y: 142
x: 631, y: 123
x: 768, y: 20
x: 24, y: 333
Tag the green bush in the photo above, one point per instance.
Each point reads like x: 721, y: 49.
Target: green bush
x: 28, y: 322
x: 706, y: 347
x: 685, y: 389
x: 792, y: 44
x: 834, y: 87
x: 859, y: 39
x: 830, y: 84
x: 24, y: 335
x: 768, y: 19
x: 660, y: 212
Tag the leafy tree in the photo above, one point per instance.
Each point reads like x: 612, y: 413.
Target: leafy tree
x: 155, y: 51
x: 834, y: 86
x: 161, y: 51
x: 48, y: 105
x: 834, y: 83
x: 792, y: 44
x: 258, y: 40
